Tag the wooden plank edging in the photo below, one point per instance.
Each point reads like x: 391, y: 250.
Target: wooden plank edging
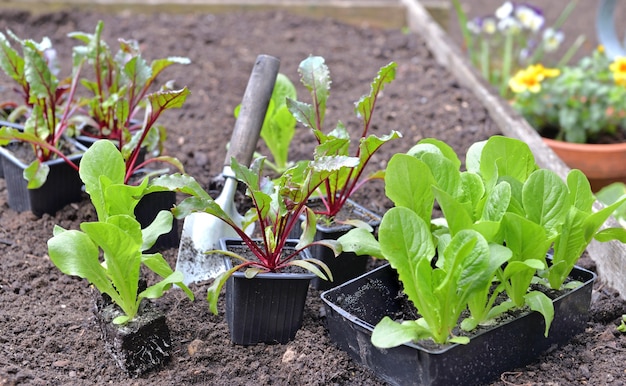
x: 610, y: 257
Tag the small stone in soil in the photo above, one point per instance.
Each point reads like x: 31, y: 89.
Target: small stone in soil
x: 194, y: 347
x: 289, y: 355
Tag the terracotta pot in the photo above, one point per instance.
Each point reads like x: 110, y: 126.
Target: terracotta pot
x: 602, y: 164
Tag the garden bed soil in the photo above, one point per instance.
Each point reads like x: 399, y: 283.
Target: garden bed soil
x: 48, y: 334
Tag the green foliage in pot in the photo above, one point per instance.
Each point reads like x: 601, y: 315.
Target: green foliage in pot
x: 279, y: 126
x: 48, y: 107
x: 276, y: 205
x: 117, y: 234
x: 157, y: 103
x: 502, y: 217
x: 118, y: 90
x: 582, y: 103
x: 315, y: 76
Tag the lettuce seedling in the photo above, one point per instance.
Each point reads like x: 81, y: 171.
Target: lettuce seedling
x: 519, y: 210
x: 279, y: 126
x: 277, y: 206
x: 439, y: 288
x: 315, y: 76
x: 117, y: 234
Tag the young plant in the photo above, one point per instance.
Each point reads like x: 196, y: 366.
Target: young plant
x: 157, y: 103
x: 315, y: 76
x: 276, y: 205
x: 49, y: 104
x: 279, y: 125
x: 117, y: 234
x: 439, y: 288
x: 119, y: 88
x: 503, y: 198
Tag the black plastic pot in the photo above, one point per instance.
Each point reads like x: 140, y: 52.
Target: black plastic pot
x: 354, y: 308
x: 267, y: 308
x: 146, y: 211
x: 15, y: 126
x: 142, y: 344
x: 347, y: 265
x: 63, y: 185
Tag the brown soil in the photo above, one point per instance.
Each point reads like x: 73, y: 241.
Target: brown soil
x: 48, y: 334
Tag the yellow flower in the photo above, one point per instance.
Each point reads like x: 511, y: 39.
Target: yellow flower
x: 546, y: 72
x: 618, y: 68
x: 531, y: 77
x: 600, y: 48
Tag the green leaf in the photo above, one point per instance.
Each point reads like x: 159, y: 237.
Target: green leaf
x: 311, y: 266
x: 42, y: 82
x: 525, y: 238
x: 303, y: 112
x: 520, y: 274
x: 178, y: 183
x: 10, y: 61
x: 611, y: 234
x: 162, y: 224
x: 36, y: 174
x: 309, y: 228
x: 473, y: 156
x: 467, y: 257
x: 214, y: 290
x: 157, y: 66
x: 101, y: 159
x: 278, y: 133
x: 315, y: 76
x: 497, y: 203
x: 546, y: 200
x: 388, y: 334
x: 581, y: 195
x: 120, y: 239
x: 136, y: 71
x: 446, y: 174
x: 538, y: 301
x: 408, y: 184
x: 506, y: 156
x: 427, y: 145
x: 74, y: 253
x: 458, y: 215
x: 121, y: 198
x: 405, y: 240
x: 156, y: 290
x: 365, y: 105
x: 164, y: 100
x: 361, y: 242
x: 122, y: 319
x: 459, y: 340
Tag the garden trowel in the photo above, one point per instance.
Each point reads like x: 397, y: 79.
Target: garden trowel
x: 202, y: 231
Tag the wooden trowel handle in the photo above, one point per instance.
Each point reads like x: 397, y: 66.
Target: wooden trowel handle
x: 256, y: 98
